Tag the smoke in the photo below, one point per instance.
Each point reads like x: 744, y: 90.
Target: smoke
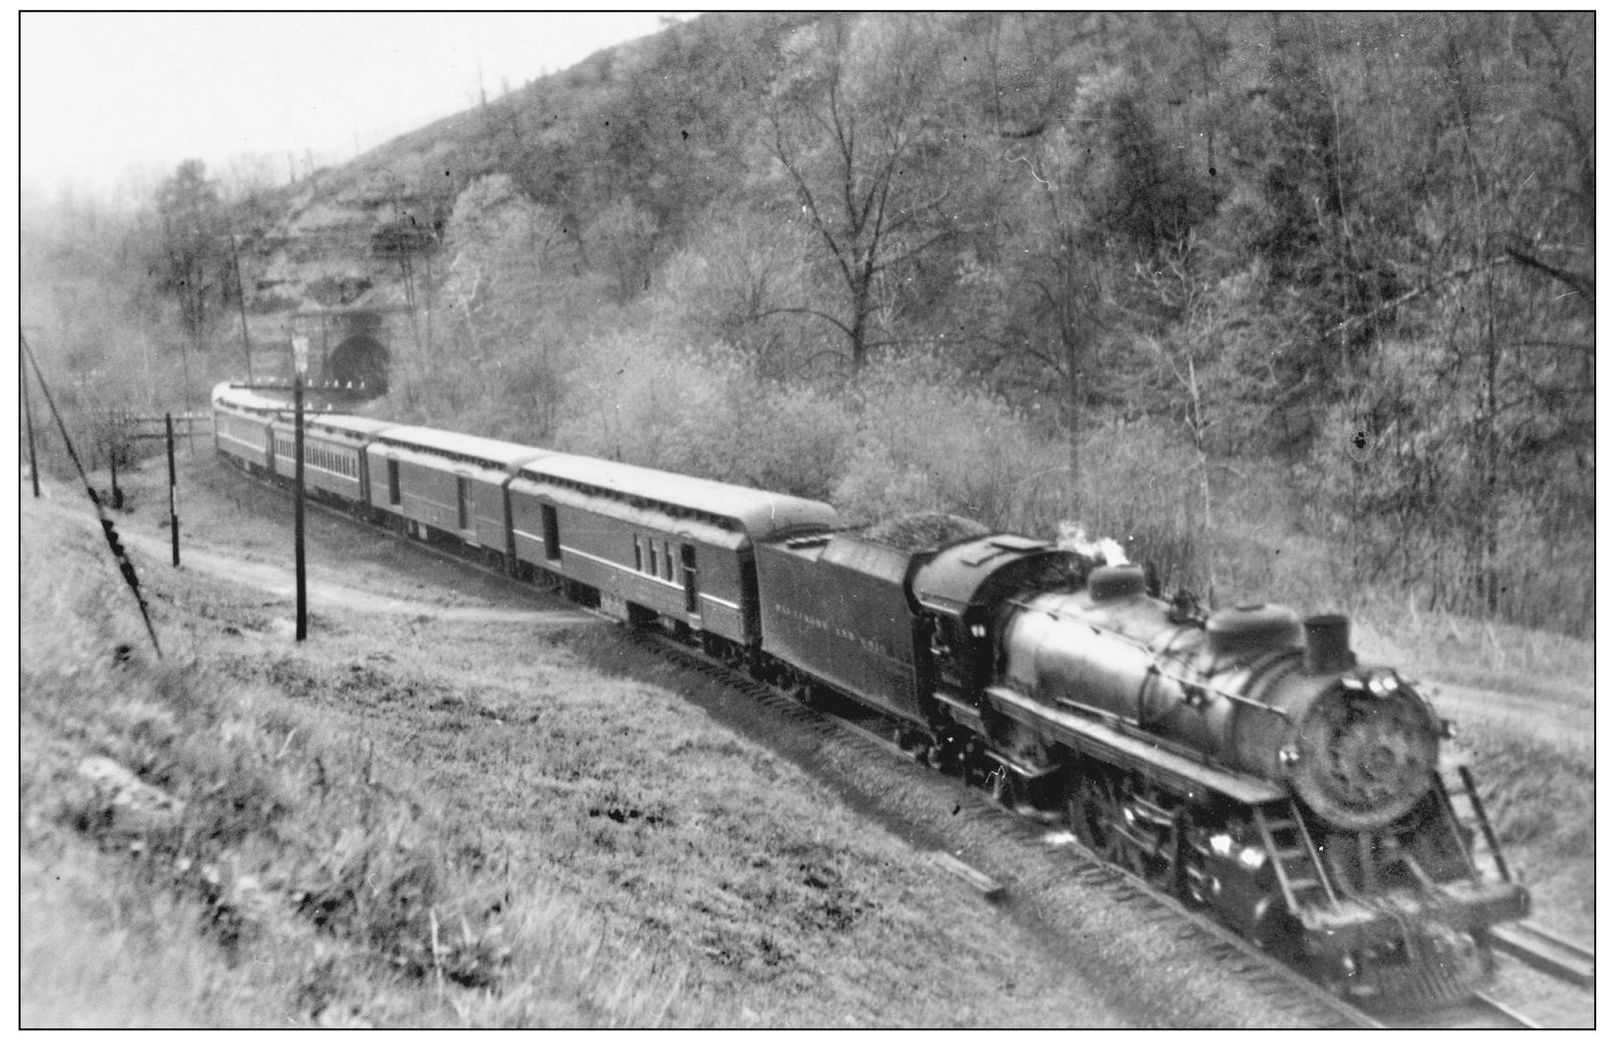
x: 1072, y: 536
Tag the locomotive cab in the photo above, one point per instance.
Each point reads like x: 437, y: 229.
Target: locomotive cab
x: 961, y: 594
x: 962, y: 655
x: 961, y: 590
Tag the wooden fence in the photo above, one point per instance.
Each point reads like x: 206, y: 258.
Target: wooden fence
x: 152, y: 428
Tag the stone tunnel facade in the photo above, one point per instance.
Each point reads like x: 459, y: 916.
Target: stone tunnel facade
x: 361, y: 356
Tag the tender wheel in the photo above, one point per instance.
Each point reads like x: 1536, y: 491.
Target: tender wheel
x: 970, y: 762
x: 944, y: 757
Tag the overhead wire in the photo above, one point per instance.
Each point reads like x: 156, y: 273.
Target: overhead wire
x: 124, y: 565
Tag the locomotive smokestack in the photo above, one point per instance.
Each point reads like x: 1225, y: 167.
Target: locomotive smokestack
x: 1326, y: 650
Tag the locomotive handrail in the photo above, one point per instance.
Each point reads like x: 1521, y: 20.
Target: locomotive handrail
x: 1136, y: 730
x: 1239, y: 698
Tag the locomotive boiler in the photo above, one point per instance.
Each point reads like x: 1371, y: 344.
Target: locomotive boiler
x: 1250, y: 691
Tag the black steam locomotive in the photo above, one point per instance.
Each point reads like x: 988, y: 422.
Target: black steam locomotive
x: 1244, y: 759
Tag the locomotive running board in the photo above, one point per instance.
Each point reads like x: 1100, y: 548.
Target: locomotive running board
x: 1115, y: 745
x: 964, y: 713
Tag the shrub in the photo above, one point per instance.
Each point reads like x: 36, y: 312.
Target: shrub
x: 702, y: 412
x: 925, y: 442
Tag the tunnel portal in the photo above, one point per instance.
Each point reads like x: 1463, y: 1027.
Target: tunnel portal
x: 361, y: 360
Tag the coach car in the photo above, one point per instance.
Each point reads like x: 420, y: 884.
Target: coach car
x: 446, y: 485
x: 333, y: 452
x: 653, y: 544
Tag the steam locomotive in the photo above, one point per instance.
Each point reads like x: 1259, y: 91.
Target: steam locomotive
x: 1242, y: 759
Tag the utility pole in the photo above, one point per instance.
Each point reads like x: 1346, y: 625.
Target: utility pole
x: 28, y: 415
x: 173, y: 502
x: 112, y: 463
x: 297, y: 502
x: 107, y: 528
x: 241, y: 304
x: 300, y: 364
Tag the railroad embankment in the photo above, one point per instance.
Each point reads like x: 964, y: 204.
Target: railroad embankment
x: 460, y: 804
x: 423, y: 819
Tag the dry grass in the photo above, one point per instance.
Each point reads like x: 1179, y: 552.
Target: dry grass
x: 1541, y: 800
x: 457, y: 824
x: 116, y: 955
x: 1258, y: 552
x: 484, y: 825
x: 282, y: 847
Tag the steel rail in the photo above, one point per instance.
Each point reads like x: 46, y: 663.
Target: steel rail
x: 1546, y: 952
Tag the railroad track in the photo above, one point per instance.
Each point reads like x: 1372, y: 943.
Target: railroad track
x: 834, y: 718
x: 1234, y: 954
x: 1546, y: 952
x: 1491, y: 1009
x: 1477, y: 1011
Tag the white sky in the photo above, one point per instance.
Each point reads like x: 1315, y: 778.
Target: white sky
x: 106, y: 95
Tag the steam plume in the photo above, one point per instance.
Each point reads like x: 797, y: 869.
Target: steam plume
x: 1073, y: 536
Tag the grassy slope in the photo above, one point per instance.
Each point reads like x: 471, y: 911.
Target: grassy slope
x: 491, y: 804
x: 391, y: 825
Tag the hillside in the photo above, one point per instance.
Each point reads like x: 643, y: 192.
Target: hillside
x: 317, y: 244
x: 1302, y: 303
x: 1295, y: 307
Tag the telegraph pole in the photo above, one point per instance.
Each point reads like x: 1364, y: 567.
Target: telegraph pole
x: 112, y: 461
x: 28, y: 415
x: 173, y: 502
x: 297, y: 502
x: 300, y: 364
x: 241, y: 304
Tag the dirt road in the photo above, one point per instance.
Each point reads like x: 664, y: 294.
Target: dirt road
x: 350, y: 594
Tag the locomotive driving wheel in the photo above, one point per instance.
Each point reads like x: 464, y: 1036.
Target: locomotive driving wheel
x: 1091, y: 809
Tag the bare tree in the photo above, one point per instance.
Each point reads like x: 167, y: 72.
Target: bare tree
x: 855, y: 130
x: 195, y: 253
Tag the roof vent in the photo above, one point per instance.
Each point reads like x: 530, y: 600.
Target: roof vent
x: 1108, y: 583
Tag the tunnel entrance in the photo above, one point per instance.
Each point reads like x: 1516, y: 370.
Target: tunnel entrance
x: 361, y: 360
x: 354, y: 342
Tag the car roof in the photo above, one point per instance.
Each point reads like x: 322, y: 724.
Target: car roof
x: 489, y: 451
x: 759, y: 513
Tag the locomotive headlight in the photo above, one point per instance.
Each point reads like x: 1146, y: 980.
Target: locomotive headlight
x: 1251, y: 858
x: 1383, y: 686
x: 1289, y: 757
